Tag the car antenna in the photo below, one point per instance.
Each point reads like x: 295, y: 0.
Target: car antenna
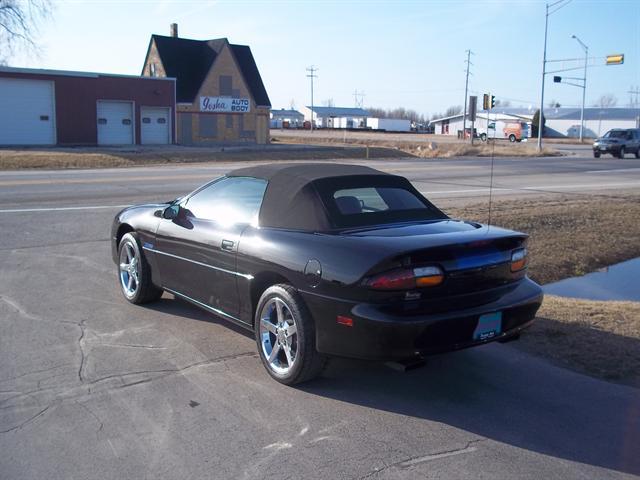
x: 493, y: 147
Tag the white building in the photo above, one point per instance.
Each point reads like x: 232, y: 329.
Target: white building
x: 453, y: 125
x: 336, y: 117
x: 286, y: 119
x: 560, y: 122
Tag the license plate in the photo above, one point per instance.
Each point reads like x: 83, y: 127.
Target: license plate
x: 489, y: 326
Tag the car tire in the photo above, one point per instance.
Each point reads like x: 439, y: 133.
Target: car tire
x: 621, y: 152
x: 512, y: 138
x: 596, y: 154
x: 295, y: 359
x: 134, y: 272
x: 483, y: 137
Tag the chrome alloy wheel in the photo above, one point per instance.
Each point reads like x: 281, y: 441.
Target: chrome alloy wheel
x: 129, y: 270
x: 279, y: 336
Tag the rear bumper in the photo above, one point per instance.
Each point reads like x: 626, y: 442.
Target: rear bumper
x: 378, y: 335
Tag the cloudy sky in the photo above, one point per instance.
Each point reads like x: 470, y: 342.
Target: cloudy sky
x: 400, y: 53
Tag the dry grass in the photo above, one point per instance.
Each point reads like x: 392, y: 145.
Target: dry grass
x: 416, y: 145
x: 569, y: 235
x: 601, y: 339
x: 12, y: 159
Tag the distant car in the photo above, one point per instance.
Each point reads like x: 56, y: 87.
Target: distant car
x: 618, y: 142
x: 326, y: 259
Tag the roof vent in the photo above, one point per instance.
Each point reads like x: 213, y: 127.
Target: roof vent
x: 174, y: 30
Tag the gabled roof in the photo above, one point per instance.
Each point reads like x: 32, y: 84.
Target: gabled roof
x: 189, y: 61
x: 339, y: 112
x: 283, y: 112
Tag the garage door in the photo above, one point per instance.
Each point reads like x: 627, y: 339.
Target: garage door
x: 115, y: 123
x: 155, y: 125
x: 27, y: 115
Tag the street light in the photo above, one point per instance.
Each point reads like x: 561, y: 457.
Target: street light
x: 559, y: 4
x: 584, y: 89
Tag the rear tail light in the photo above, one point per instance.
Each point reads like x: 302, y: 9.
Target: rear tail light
x: 406, y: 278
x: 518, y: 259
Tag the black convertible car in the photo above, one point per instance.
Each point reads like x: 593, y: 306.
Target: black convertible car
x: 328, y: 260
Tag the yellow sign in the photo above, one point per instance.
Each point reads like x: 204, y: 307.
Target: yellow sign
x: 617, y: 59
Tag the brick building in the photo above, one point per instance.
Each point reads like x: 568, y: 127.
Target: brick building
x: 57, y: 107
x: 220, y: 95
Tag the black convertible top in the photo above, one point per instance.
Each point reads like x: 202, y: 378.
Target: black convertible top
x: 294, y: 195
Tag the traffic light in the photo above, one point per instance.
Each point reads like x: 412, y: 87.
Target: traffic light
x: 617, y: 59
x: 493, y: 101
x: 557, y: 79
x: 485, y: 102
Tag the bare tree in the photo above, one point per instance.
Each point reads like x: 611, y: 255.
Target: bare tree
x: 453, y: 110
x: 328, y: 102
x: 554, y: 104
x: 19, y: 22
x: 400, y: 112
x: 292, y: 104
x: 502, y: 103
x: 607, y: 100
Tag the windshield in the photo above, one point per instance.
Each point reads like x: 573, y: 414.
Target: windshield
x: 615, y: 134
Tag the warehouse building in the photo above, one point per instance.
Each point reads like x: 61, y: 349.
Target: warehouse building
x: 286, y: 119
x: 54, y: 107
x: 221, y: 98
x: 560, y: 122
x: 336, y: 117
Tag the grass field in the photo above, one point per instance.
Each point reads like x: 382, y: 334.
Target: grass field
x: 571, y: 236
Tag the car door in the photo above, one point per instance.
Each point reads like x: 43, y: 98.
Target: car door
x: 197, y: 249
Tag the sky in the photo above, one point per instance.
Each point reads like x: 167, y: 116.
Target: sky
x: 400, y: 53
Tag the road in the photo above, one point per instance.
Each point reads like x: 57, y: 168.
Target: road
x: 92, y: 387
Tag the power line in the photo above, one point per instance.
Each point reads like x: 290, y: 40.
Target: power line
x: 359, y: 98
x: 466, y: 89
x: 311, y: 75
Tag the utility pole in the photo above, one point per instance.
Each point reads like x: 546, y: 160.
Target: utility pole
x: 584, y: 83
x: 312, y: 69
x: 633, y: 96
x: 466, y: 89
x: 558, y: 4
x: 359, y: 103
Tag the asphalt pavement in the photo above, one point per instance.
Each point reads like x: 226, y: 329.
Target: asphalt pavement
x: 93, y: 387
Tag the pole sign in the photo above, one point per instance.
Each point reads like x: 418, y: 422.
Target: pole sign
x: 225, y: 105
x: 473, y: 104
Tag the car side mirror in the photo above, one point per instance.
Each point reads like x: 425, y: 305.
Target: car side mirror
x: 171, y: 212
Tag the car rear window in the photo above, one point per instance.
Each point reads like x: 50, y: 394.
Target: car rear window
x: 369, y: 201
x: 356, y: 201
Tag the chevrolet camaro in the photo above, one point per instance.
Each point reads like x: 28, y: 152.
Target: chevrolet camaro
x: 322, y: 260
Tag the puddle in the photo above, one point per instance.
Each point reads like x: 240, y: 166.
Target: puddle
x: 618, y: 282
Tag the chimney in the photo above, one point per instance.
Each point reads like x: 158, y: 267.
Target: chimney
x: 174, y: 30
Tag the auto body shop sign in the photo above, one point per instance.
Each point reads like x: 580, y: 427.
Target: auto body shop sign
x: 224, y: 105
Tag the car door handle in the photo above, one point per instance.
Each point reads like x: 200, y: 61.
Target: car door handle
x: 228, y: 245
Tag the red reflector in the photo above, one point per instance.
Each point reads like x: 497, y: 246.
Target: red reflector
x: 346, y: 321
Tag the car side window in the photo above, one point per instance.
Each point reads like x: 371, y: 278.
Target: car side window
x: 231, y: 200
